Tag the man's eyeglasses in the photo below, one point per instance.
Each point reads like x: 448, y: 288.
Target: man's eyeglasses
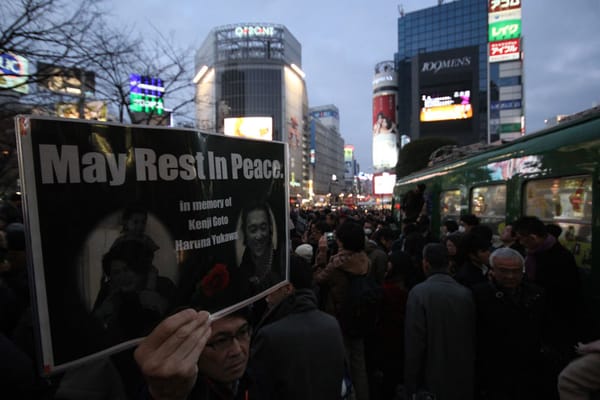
x: 224, y: 340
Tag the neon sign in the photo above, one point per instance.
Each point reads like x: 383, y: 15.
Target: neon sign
x: 246, y: 31
x: 146, y: 94
x: 503, y: 30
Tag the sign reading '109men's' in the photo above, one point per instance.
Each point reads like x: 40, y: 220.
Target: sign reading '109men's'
x: 127, y: 223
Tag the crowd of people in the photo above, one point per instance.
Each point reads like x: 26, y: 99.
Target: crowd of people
x: 456, y: 316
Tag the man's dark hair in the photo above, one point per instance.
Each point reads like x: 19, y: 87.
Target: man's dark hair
x: 470, y: 219
x: 483, y: 231
x: 401, y: 265
x: 383, y: 233
x: 300, y: 272
x: 351, y: 235
x: 451, y: 225
x: 554, y: 229
x: 421, y: 187
x: 437, y: 256
x: 528, y: 225
x: 410, y: 228
x: 473, y: 242
x: 323, y: 227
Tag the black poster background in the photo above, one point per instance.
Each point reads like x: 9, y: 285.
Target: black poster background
x: 61, y: 219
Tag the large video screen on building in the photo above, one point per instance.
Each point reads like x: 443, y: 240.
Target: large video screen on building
x: 446, y: 104
x: 448, y: 94
x: 249, y: 127
x: 446, y: 108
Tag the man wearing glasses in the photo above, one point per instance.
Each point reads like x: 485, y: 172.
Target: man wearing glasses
x: 189, y: 357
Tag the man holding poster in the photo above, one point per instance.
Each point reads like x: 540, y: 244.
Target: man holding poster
x: 193, y: 188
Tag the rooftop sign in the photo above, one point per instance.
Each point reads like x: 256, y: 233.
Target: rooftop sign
x: 248, y: 31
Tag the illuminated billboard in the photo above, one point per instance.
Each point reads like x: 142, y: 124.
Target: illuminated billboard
x: 92, y: 110
x: 504, y: 16
x: 249, y: 127
x: 146, y: 94
x: 383, y: 183
x: 348, y: 162
x: 385, y: 76
x: 348, y: 152
x: 384, y: 113
x: 505, y: 50
x: 447, y: 101
x: 504, y: 30
x: 503, y: 5
x: 73, y: 81
x: 385, y: 147
x: 250, y: 31
x: 13, y: 72
x: 445, y: 106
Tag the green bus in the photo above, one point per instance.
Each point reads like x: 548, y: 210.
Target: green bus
x: 552, y: 174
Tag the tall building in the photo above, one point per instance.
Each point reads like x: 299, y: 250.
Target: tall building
x: 326, y: 151
x: 460, y: 71
x: 507, y: 111
x: 249, y: 83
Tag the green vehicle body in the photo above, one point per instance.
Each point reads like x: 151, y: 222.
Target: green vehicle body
x: 560, y: 163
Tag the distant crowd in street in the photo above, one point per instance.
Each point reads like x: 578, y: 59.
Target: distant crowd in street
x: 374, y: 308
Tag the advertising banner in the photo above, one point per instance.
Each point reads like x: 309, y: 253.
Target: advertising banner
x: 348, y: 162
x: 93, y: 110
x: 505, y: 50
x: 503, y: 5
x: 443, y: 105
x: 384, y: 113
x: 125, y: 224
x: 385, y: 76
x: 385, y: 143
x: 440, y: 67
x: 503, y: 30
x: 249, y: 127
x: 73, y: 81
x: 504, y: 15
x: 146, y: 94
x: 383, y: 183
x: 13, y: 72
x: 506, y: 105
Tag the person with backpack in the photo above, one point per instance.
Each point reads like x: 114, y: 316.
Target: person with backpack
x: 351, y: 295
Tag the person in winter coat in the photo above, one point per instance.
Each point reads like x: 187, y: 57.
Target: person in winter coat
x: 334, y: 282
x: 552, y: 267
x: 297, y: 351
x: 439, y: 333
x: 509, y: 330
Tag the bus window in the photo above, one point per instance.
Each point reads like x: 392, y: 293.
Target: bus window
x: 566, y: 202
x: 450, y: 205
x: 489, y: 204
